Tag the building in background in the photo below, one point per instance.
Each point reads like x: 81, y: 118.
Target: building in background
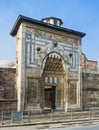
x: 90, y: 83
x: 89, y: 64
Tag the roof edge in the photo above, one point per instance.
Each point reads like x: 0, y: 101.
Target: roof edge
x: 22, y: 18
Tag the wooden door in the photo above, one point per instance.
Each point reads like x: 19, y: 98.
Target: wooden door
x: 48, y: 98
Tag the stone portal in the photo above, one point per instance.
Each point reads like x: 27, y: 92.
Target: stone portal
x: 47, y: 55
x: 54, y: 89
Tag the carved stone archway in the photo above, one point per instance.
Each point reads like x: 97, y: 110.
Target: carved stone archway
x: 54, y: 80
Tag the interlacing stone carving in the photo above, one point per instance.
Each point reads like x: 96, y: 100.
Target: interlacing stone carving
x: 73, y: 93
x: 31, y: 92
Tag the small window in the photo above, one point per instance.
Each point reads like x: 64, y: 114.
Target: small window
x: 55, y: 80
x: 46, y: 79
x: 51, y: 80
x: 55, y: 22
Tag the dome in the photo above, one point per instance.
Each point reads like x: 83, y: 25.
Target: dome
x: 6, y: 64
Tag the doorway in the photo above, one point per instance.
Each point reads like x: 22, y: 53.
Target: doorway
x: 50, y: 97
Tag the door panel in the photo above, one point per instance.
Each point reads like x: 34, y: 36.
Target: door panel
x: 48, y: 99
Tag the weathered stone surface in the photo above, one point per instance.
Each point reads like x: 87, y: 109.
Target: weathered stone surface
x: 8, y: 100
x: 89, y: 64
x: 90, y: 89
x: 58, y: 53
x: 49, y: 68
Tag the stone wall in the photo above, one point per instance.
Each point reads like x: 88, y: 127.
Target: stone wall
x: 89, y: 64
x: 7, y: 89
x: 90, y: 88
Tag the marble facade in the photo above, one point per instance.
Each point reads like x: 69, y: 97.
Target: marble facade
x: 48, y: 62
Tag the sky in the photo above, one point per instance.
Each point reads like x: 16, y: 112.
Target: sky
x: 79, y: 15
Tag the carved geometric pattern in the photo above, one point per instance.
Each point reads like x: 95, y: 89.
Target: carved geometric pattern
x: 72, y: 92
x: 47, y: 45
x: 29, y: 49
x: 54, y: 64
x: 31, y: 91
x: 50, y: 80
